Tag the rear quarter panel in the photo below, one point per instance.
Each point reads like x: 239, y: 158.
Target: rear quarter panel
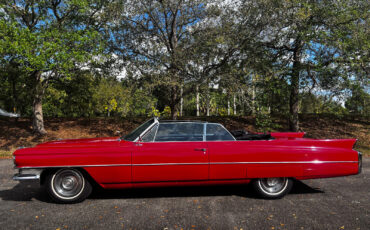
x: 298, y: 158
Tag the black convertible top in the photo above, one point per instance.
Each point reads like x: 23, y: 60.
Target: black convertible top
x: 244, y: 135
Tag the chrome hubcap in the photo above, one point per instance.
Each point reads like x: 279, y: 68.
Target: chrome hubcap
x: 273, y: 185
x: 68, y: 183
x: 272, y: 181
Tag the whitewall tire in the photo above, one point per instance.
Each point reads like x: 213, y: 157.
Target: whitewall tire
x: 68, y: 185
x: 273, y: 188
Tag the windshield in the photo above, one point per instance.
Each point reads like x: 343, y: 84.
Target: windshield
x: 136, y: 133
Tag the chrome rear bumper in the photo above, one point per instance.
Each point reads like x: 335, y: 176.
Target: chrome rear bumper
x: 359, y: 162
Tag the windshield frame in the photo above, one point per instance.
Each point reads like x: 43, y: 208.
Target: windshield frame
x: 139, y: 131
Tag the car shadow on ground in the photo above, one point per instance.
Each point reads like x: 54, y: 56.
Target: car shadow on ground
x: 26, y: 191
x: 191, y: 191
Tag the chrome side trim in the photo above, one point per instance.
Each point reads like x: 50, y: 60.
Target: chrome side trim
x: 73, y: 166
x: 287, y: 162
x: 195, y: 163
x: 204, y: 131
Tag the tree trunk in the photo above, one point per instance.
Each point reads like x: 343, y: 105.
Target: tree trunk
x: 14, y: 96
x: 174, y: 101
x: 253, y: 99
x: 208, y: 100
x: 38, y: 118
x: 197, y: 100
x: 181, y: 101
x: 234, y: 105
x: 173, y: 111
x: 294, y: 88
x: 208, y: 106
x: 228, y: 107
x: 293, y: 121
x: 242, y: 103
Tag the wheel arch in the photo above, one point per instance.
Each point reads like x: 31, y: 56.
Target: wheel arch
x: 48, y: 171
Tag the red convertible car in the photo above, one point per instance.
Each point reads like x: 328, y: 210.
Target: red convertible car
x: 172, y: 153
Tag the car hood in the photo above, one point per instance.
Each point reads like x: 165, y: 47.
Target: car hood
x: 74, y: 146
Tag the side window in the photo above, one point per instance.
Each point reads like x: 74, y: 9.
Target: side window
x: 216, y: 132
x: 149, y: 136
x: 185, y: 131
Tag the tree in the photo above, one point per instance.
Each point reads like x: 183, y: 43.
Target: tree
x: 48, y: 40
x: 358, y: 103
x: 110, y: 97
x: 160, y: 40
x: 302, y: 41
x: 13, y: 93
x: 72, y: 96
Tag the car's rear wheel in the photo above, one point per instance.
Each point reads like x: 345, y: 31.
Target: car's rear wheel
x: 68, y: 186
x: 273, y: 188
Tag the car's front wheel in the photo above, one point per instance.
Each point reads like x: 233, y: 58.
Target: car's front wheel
x: 273, y: 188
x: 68, y: 186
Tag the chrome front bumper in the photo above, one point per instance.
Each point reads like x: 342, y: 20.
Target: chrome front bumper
x: 28, y: 174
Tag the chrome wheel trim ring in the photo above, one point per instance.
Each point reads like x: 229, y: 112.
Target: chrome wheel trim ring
x: 273, y: 186
x: 67, y: 184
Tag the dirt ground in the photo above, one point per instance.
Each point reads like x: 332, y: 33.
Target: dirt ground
x: 17, y: 132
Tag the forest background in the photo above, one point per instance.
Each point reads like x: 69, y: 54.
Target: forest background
x: 273, y: 61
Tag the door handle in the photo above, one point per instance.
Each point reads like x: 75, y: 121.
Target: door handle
x: 199, y: 149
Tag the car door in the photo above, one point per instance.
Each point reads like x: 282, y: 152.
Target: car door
x: 171, y: 152
x: 225, y: 154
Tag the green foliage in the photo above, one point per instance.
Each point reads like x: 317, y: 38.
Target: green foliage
x: 110, y: 97
x: 272, y: 92
x: 15, y: 90
x: 47, y: 41
x: 141, y: 103
x: 311, y: 103
x: 112, y: 106
x: 54, y: 102
x: 263, y: 121
x: 170, y: 47
x: 166, y: 112
x: 222, y: 112
x: 358, y: 103
x: 154, y: 113
x: 72, y: 97
x: 34, y: 37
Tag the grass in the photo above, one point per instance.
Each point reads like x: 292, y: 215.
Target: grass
x: 6, y: 154
x: 15, y: 133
